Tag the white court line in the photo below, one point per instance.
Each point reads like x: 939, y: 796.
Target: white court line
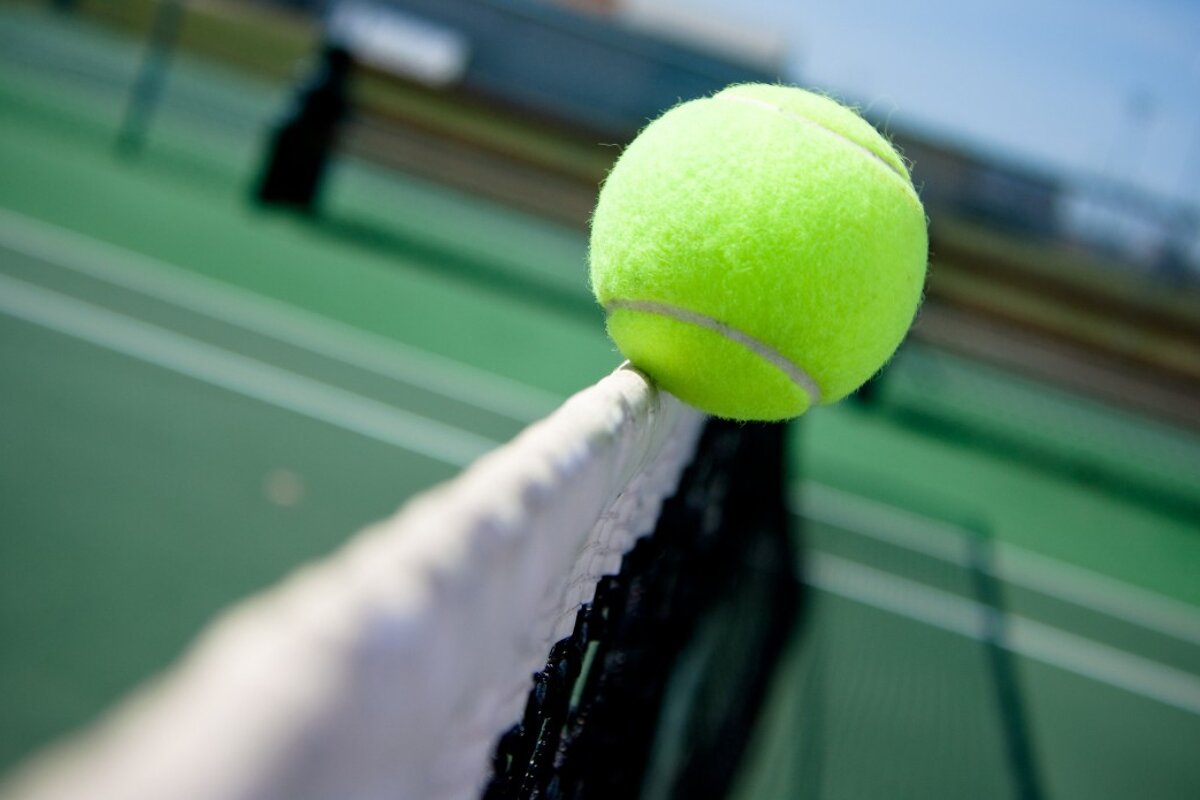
x: 1014, y: 565
x: 882, y: 522
x: 1034, y: 640
x: 274, y: 319
x: 239, y: 374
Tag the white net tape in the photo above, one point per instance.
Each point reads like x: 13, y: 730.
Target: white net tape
x: 390, y: 669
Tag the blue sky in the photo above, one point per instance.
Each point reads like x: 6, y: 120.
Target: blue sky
x: 1105, y: 88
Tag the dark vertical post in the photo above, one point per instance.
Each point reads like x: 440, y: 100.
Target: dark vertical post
x: 147, y: 87
x: 1005, y: 678
x: 302, y: 142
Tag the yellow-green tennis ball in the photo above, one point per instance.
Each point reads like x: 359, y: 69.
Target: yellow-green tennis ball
x: 759, y: 251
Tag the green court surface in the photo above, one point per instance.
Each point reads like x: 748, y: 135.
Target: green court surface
x: 197, y: 396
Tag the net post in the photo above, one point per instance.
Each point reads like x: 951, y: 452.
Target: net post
x: 302, y: 141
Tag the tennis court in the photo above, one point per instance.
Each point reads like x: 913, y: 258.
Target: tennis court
x: 198, y: 396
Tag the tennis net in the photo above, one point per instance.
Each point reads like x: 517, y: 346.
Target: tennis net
x: 593, y: 610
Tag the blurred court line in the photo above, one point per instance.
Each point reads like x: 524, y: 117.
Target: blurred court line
x: 237, y: 373
x: 1014, y: 565
x: 1026, y: 637
x: 275, y: 319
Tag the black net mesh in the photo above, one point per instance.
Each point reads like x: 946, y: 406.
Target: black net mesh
x: 658, y: 689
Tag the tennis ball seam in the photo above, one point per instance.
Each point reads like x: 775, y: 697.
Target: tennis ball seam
x: 754, y: 102
x: 797, y: 374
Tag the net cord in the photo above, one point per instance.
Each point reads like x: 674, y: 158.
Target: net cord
x: 391, y: 668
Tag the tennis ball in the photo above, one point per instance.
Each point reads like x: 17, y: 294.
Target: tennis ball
x: 759, y: 251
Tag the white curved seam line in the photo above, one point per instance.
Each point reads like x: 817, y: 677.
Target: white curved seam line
x: 751, y: 101
x: 769, y: 354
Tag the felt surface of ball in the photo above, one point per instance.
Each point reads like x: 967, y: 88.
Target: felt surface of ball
x: 759, y: 251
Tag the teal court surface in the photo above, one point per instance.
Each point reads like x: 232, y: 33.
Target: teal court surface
x: 197, y: 396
